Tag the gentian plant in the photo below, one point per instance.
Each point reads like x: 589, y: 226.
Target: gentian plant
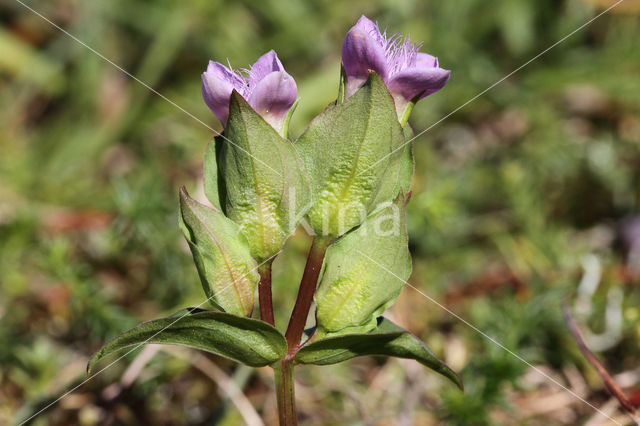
x: 348, y: 176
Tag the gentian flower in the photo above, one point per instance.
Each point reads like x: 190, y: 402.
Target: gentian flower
x: 266, y: 86
x: 407, y: 73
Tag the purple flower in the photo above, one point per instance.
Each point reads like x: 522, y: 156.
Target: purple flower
x: 407, y: 72
x: 266, y: 86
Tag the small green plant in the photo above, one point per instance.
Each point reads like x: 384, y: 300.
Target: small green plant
x: 346, y: 179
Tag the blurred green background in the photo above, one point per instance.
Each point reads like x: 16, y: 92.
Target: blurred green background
x: 516, y: 195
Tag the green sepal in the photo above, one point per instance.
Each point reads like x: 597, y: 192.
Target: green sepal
x: 214, y: 183
x: 407, y: 162
x: 221, y: 253
x: 353, y: 291
x: 399, y: 175
x: 249, y: 341
x: 287, y: 119
x: 347, y: 150
x: 341, y: 85
x: 386, y: 340
x: 266, y: 190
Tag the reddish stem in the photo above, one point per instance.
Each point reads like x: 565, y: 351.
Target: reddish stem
x: 264, y: 294
x: 305, y: 292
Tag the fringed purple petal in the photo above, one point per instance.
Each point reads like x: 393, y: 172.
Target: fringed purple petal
x: 264, y: 66
x: 424, y: 60
x: 217, y: 83
x: 273, y: 96
x: 362, y: 51
x: 367, y: 26
x: 412, y: 82
x: 408, y: 84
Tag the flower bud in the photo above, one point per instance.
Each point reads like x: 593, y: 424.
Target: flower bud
x: 266, y: 86
x: 408, y: 74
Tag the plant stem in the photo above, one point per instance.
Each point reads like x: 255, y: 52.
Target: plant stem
x: 264, y: 293
x: 283, y: 370
x: 305, y: 292
x: 285, y: 392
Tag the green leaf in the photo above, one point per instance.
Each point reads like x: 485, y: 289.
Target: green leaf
x: 407, y: 162
x: 407, y: 167
x: 249, y: 341
x: 213, y: 182
x: 346, y: 152
x: 353, y: 290
x: 228, y: 273
x: 266, y: 190
x: 386, y: 340
x: 400, y: 173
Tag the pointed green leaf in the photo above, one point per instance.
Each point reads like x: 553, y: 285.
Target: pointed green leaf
x: 266, y: 190
x: 400, y: 172
x: 353, y: 290
x: 407, y: 168
x: 386, y: 340
x: 213, y: 182
x: 407, y: 161
x: 346, y: 152
x: 228, y: 273
x: 249, y: 341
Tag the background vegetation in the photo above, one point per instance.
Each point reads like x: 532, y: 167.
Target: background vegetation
x: 515, y: 196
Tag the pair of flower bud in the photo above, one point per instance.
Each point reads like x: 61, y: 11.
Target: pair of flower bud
x: 271, y: 91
